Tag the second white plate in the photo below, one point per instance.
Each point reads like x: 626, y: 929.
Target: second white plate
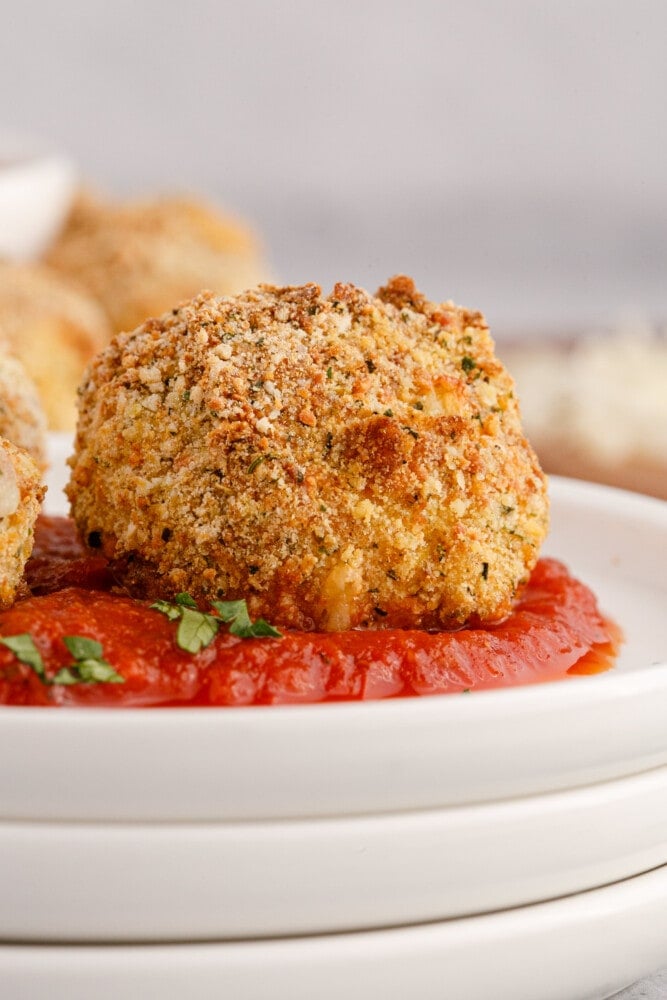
x: 149, y: 882
x: 581, y: 947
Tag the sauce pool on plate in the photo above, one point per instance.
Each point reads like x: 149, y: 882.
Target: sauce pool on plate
x: 556, y: 630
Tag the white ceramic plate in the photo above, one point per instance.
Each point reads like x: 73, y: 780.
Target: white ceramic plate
x: 143, y: 882
x: 356, y: 758
x: 578, y: 948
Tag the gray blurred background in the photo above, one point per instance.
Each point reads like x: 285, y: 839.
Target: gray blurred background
x: 512, y: 156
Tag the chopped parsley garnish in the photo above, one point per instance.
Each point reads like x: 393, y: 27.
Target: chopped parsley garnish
x: 235, y: 613
x: 89, y: 666
x: 388, y: 413
x: 468, y: 363
x: 485, y: 571
x: 411, y: 432
x: 330, y: 372
x: 25, y: 650
x: 197, y: 629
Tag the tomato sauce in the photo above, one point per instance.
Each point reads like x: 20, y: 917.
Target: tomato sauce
x: 555, y: 630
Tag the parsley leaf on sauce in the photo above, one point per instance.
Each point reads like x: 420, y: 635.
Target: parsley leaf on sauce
x: 197, y: 629
x: 89, y: 666
x: 25, y: 650
x: 236, y: 614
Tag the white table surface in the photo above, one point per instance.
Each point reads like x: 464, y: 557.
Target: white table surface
x: 651, y: 988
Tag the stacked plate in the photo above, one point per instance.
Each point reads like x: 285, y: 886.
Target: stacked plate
x: 506, y: 843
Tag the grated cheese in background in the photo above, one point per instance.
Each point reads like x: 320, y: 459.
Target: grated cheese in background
x: 596, y: 408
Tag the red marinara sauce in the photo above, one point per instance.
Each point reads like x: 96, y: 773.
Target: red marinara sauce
x: 556, y: 629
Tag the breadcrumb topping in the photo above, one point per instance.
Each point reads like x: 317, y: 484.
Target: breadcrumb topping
x: 342, y: 461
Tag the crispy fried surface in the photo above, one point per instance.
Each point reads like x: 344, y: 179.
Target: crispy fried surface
x: 138, y: 259
x: 21, y: 494
x: 343, y: 461
x: 22, y: 419
x: 54, y: 330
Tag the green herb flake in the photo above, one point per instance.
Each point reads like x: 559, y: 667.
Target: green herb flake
x: 89, y: 667
x: 256, y: 462
x: 418, y: 405
x: 485, y: 571
x: 468, y: 363
x: 196, y: 630
x: 65, y: 676
x: 82, y: 648
x: 329, y: 372
x: 388, y: 413
x: 25, y: 650
x: 235, y: 614
x: 185, y: 601
x: 167, y: 609
x: 411, y: 432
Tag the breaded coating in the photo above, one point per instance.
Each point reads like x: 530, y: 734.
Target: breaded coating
x: 338, y: 462
x: 138, y: 259
x: 22, y: 419
x: 21, y: 495
x: 54, y: 330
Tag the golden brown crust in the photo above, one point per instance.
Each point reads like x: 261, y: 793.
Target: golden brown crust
x: 54, y: 330
x: 138, y: 259
x: 21, y: 495
x: 342, y: 461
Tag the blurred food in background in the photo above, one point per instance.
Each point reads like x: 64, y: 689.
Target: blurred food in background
x: 54, y: 329
x: 596, y: 407
x: 22, y: 418
x: 139, y: 259
x: 36, y: 190
x: 21, y: 495
x: 110, y: 266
